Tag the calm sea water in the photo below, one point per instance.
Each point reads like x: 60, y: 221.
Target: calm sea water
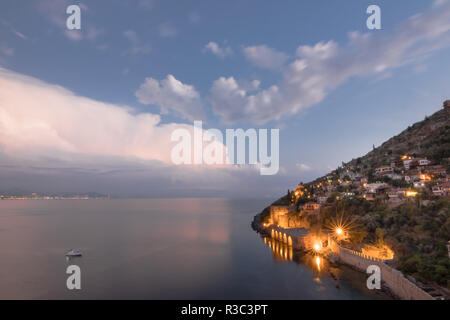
x: 157, y: 249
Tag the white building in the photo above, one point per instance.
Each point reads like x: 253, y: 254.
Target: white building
x: 424, y: 162
x: 374, y: 187
x: 419, y: 184
x: 383, y: 170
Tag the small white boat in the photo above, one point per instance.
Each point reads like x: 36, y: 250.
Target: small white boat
x: 74, y: 253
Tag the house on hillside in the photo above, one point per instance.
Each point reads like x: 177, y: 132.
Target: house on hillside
x: 437, y: 170
x: 412, y: 176
x: 376, y: 187
x: 423, y: 162
x: 311, y: 207
x: 394, y: 176
x: 442, y: 189
x: 397, y: 164
x: 383, y: 170
x: 419, y: 184
x: 407, y: 163
x: 446, y: 104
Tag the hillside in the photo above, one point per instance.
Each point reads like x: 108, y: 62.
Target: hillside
x: 396, y: 197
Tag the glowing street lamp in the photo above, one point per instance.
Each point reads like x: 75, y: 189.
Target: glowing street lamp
x: 317, y: 247
x: 339, y: 231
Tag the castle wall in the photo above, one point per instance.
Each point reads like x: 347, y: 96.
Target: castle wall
x: 276, y: 212
x: 393, y: 278
x: 279, y: 216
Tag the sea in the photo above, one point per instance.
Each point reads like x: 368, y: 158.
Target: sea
x: 188, y: 248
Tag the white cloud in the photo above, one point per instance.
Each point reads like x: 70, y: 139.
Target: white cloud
x: 303, y: 167
x: 171, y: 95
x: 42, y: 120
x: 214, y: 48
x: 167, y: 30
x: 137, y: 47
x: 232, y: 102
x: 265, y: 57
x: 52, y: 140
x: 320, y: 68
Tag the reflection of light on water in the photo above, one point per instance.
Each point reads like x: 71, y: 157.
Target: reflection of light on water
x: 280, y: 250
x: 283, y: 252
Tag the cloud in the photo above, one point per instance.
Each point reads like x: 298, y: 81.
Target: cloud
x: 321, y: 68
x: 39, y: 119
x: 167, y: 30
x: 214, y: 48
x: 52, y: 140
x: 303, y: 167
x: 265, y: 57
x: 137, y: 47
x: 171, y: 95
x: 13, y: 30
x: 232, y: 103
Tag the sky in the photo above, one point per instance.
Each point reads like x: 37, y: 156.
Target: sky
x: 94, y: 109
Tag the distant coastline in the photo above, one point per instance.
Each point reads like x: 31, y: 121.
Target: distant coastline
x: 60, y: 196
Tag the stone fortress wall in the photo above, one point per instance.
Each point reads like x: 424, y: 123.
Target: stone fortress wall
x: 394, y: 279
x: 281, y: 230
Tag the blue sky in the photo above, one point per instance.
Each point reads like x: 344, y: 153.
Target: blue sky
x: 310, y: 68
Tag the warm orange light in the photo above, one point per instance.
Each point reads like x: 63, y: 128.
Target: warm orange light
x: 318, y: 262
x: 339, y: 231
x: 411, y: 193
x: 317, y: 246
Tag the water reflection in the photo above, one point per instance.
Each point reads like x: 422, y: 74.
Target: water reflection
x: 280, y: 251
x: 284, y: 252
